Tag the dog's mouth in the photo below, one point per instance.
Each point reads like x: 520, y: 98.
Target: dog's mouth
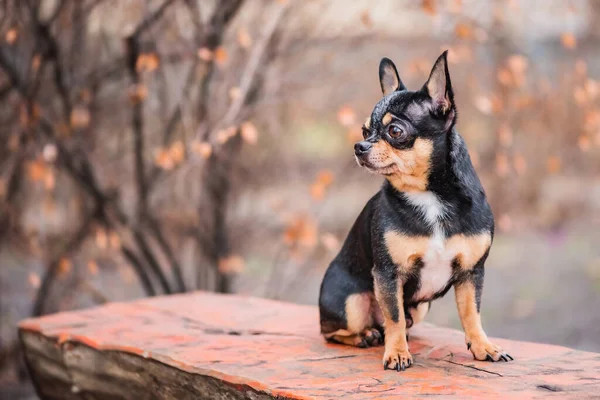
x: 382, y: 170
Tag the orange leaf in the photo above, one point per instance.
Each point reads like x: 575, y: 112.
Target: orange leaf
x: 354, y: 134
x: 37, y: 170
x: 301, y: 232
x: 568, y: 40
x: 484, y: 104
x: 553, y: 164
x: 520, y: 164
x: 147, y: 62
x: 36, y: 61
x: 249, y: 132
x: 591, y: 88
x: 92, y: 267
x: 580, y: 95
x: 365, y: 19
x: 581, y: 67
x: 322, y: 182
x: 517, y: 63
x: 325, y: 177
x: 101, y: 239
x: 317, y: 192
x: 505, y: 135
x: 502, y: 166
x: 504, y: 76
x: 177, y: 152
x: 463, y: 31
x: 64, y: 267
x: 127, y: 275
x: 203, y: 149
x: 138, y: 93
x: 235, y: 93
x: 49, y: 180
x: 231, y: 265
x: 2, y: 187
x: 225, y: 134
x: 80, y: 117
x: 11, y: 36
x: 243, y: 37
x: 330, y: 242
x: 584, y: 143
x: 115, y: 240
x: 205, y: 54
x: 220, y: 55
x: 49, y: 153
x: 428, y: 7
x: 34, y: 280
x: 346, y: 116
x: 163, y: 159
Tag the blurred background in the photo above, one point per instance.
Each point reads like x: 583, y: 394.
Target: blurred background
x: 160, y: 146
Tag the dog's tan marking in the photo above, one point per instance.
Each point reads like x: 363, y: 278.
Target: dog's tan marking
x: 406, y: 169
x: 387, y: 118
x: 369, y: 336
x: 396, y: 346
x: 467, y: 310
x: 404, y: 250
x: 368, y: 123
x: 419, y: 312
x: 470, y: 319
x: 358, y: 312
x: 467, y: 250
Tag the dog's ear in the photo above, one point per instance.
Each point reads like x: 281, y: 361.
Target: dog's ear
x: 388, y: 77
x: 439, y: 87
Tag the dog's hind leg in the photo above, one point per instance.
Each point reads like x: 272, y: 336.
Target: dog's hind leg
x: 359, y: 327
x: 358, y: 330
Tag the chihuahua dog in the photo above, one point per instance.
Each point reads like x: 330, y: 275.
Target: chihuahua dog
x: 429, y: 228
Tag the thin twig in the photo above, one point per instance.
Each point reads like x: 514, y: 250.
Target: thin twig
x: 155, y: 16
x: 252, y: 66
x: 156, y: 230
x: 52, y: 270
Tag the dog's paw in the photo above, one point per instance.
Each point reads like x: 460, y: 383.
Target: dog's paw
x: 370, y: 337
x: 397, y: 360
x: 484, y: 350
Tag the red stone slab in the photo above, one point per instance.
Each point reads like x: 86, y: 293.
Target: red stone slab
x: 251, y: 348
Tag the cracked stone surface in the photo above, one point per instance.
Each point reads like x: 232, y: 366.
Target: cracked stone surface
x: 202, y: 345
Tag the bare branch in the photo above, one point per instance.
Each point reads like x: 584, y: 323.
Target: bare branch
x: 53, y: 268
x: 250, y: 72
x: 139, y: 269
x: 155, y: 16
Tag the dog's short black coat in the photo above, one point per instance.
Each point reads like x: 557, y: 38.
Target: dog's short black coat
x: 429, y: 227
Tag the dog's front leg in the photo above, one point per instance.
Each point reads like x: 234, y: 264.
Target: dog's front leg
x: 389, y: 294
x: 468, y: 301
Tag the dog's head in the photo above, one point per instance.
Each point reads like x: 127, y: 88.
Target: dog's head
x: 407, y: 131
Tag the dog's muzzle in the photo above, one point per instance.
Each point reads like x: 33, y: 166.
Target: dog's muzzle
x: 362, y: 148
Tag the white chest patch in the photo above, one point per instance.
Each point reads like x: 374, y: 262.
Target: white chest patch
x: 437, y: 260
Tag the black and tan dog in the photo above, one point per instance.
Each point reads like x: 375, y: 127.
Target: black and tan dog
x: 429, y: 227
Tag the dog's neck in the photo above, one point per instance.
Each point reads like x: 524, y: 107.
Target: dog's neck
x: 440, y: 178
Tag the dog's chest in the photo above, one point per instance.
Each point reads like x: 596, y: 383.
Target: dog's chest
x: 435, y: 252
x: 431, y: 258
x: 436, y: 271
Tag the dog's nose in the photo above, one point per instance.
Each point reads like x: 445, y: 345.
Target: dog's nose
x: 361, y: 148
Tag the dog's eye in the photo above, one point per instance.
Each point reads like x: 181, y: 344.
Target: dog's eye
x: 366, y: 133
x: 396, y: 132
